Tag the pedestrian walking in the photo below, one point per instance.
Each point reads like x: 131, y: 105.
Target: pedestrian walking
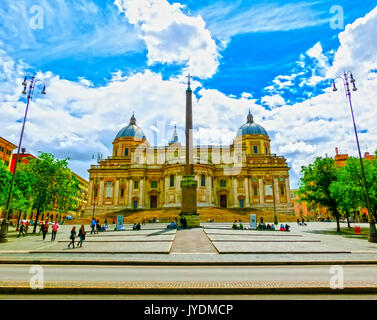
x: 44, y: 229
x: 93, y: 226
x: 22, y: 230
x: 106, y: 225
x: 72, y: 237
x: 82, y: 234
x: 55, y: 228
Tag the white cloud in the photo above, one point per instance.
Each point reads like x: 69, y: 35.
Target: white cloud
x: 71, y: 28
x: 172, y: 36
x: 273, y: 101
x: 228, y: 19
x: 358, y: 47
x: 76, y: 120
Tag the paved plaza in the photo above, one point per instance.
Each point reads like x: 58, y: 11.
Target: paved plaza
x: 212, y: 243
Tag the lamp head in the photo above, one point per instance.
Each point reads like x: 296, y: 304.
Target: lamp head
x: 352, y: 79
x: 24, y: 83
x: 44, y: 90
x: 354, y: 87
x: 334, y: 87
x: 24, y: 91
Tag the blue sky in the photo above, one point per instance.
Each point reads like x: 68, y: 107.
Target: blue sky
x: 269, y: 56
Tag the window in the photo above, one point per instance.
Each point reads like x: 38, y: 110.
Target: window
x: 255, y: 149
x: 222, y: 183
x: 266, y: 150
x: 172, y: 180
x: 212, y: 182
x: 1, y: 149
x: 8, y: 152
x: 126, y: 152
x: 6, y: 163
x: 95, y: 193
x: 121, y: 193
x: 203, y: 180
x: 153, y: 184
x: 116, y: 152
x: 255, y: 191
x: 176, y: 154
x: 282, y: 191
x: 109, y: 189
x: 136, y: 184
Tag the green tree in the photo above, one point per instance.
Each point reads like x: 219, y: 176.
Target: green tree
x: 52, y: 186
x: 315, y: 185
x: 350, y: 178
x: 346, y: 193
x: 22, y: 192
x: 5, y: 178
x: 67, y: 192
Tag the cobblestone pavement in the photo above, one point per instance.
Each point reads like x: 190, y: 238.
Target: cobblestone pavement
x: 190, y: 284
x: 153, y: 242
x: 192, y: 241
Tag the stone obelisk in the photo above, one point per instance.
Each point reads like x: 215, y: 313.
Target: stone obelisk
x: 188, y: 183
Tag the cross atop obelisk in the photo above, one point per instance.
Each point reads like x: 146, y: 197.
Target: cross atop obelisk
x: 189, y: 81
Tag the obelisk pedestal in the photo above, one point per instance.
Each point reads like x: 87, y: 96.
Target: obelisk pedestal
x: 188, y: 183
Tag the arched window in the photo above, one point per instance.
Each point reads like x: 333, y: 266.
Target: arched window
x: 203, y: 180
x: 172, y: 180
x: 126, y: 152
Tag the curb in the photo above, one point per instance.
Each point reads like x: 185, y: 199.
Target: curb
x: 183, y: 291
x: 185, y: 263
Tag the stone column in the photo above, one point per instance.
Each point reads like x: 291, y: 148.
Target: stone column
x: 100, y: 196
x: 261, y: 191
x: 288, y: 190
x: 247, y: 197
x: 141, y: 204
x: 277, y: 193
x: 116, y: 192
x: 90, y: 192
x: 209, y: 189
x: 234, y: 185
x: 166, y: 189
x: 130, y: 195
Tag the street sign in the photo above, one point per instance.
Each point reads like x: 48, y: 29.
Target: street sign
x: 253, y: 221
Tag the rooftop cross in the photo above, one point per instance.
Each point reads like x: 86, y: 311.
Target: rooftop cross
x: 189, y: 80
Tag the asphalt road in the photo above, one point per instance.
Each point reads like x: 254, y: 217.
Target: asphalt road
x: 366, y: 273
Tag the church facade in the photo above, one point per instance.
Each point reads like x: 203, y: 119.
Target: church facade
x: 139, y: 176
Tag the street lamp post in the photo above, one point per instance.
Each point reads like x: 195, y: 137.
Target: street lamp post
x: 99, y: 158
x: 345, y: 78
x: 30, y: 81
x: 273, y: 190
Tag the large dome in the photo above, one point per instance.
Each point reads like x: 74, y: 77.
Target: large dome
x: 132, y: 130
x: 250, y: 127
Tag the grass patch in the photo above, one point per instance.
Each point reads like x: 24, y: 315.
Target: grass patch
x: 346, y: 232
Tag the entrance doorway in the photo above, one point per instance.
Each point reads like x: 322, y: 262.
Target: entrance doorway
x: 223, y: 202
x: 153, y: 202
x: 135, y: 204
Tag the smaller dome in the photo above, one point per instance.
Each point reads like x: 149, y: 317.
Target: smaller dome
x: 132, y: 130
x: 250, y: 127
